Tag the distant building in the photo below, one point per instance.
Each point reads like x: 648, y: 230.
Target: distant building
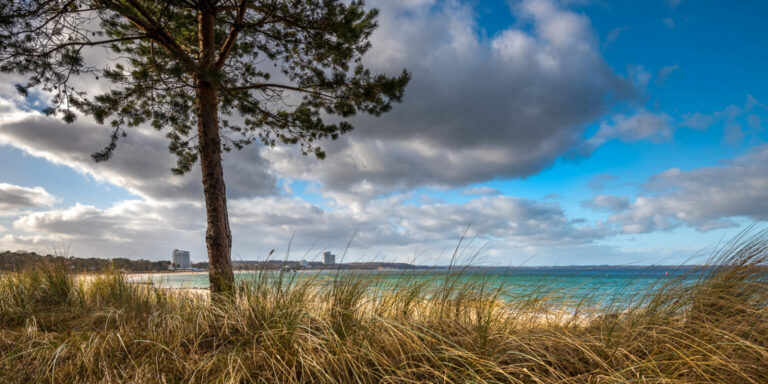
x: 304, y: 264
x: 329, y: 258
x: 180, y: 259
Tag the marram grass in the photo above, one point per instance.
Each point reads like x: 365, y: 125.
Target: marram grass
x: 58, y: 328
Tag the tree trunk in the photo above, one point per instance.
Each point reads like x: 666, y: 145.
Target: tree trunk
x: 218, y: 237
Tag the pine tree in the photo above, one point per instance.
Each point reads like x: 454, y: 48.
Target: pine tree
x: 213, y: 75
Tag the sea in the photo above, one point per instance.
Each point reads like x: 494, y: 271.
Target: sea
x: 610, y: 285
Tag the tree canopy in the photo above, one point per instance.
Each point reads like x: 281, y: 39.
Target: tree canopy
x: 274, y: 71
x: 281, y: 68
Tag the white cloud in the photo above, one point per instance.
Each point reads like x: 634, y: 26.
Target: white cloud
x: 141, y: 163
x: 481, y: 191
x: 641, y: 126
x: 608, y: 202
x: 705, y: 198
x: 391, y: 225
x: 734, y: 118
x: 133, y: 229
x: 14, y: 198
x: 697, y: 121
x: 476, y: 108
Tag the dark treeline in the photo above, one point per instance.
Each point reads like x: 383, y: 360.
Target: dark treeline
x: 254, y: 265
x: 15, y: 261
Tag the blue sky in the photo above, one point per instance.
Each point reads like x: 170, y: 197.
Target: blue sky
x: 562, y: 132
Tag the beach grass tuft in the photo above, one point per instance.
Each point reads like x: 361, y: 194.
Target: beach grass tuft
x: 294, y: 328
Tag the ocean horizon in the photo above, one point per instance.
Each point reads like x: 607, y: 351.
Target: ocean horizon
x: 594, y: 285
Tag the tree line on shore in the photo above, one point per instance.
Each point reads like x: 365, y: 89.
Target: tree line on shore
x: 11, y: 261
x: 19, y: 260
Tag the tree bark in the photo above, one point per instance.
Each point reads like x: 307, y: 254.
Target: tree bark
x: 218, y: 237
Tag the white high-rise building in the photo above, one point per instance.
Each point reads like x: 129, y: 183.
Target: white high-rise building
x: 329, y: 258
x: 180, y: 259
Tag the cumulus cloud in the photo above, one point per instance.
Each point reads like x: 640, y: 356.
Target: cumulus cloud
x: 705, y: 198
x: 481, y: 191
x: 133, y: 229
x: 608, y: 203
x: 151, y: 230
x: 477, y: 108
x: 641, y: 126
x: 14, y: 198
x: 141, y: 163
x: 739, y: 121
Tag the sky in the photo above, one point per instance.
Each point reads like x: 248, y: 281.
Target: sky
x: 545, y: 132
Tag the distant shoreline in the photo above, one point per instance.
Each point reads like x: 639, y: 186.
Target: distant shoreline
x: 16, y: 260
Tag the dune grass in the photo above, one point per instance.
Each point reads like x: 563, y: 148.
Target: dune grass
x: 57, y: 328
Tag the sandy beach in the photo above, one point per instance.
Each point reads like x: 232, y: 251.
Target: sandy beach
x: 133, y: 276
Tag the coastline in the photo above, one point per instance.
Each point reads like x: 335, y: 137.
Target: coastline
x: 137, y: 275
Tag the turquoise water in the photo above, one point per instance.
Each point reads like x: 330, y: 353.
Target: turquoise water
x: 572, y: 284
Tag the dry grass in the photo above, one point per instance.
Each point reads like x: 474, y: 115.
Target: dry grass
x: 283, y: 329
